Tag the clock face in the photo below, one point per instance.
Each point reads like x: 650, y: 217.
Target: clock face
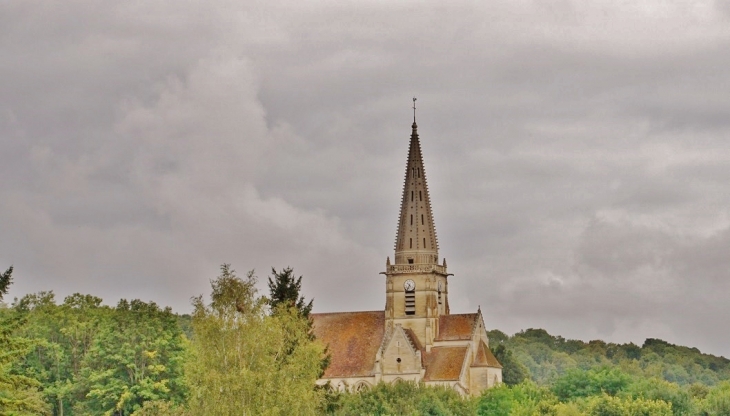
x: 409, y: 285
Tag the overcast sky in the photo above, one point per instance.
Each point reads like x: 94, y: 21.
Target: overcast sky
x: 578, y: 153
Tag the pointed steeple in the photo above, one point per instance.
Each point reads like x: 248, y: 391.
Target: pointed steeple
x: 416, y: 237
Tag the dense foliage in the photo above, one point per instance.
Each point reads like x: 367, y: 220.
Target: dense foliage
x: 19, y: 394
x: 546, y: 357
x: 242, y: 353
x: 246, y: 361
x: 403, y: 398
x: 604, y: 392
x: 94, y: 359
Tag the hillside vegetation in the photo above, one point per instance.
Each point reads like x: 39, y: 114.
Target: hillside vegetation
x: 537, y: 355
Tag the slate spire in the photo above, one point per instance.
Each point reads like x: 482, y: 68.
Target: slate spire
x: 416, y: 237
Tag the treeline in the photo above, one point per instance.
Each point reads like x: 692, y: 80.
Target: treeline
x: 90, y: 358
x: 238, y: 353
x: 241, y: 352
x: 535, y: 354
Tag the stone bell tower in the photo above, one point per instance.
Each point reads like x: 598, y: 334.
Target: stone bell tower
x: 416, y: 285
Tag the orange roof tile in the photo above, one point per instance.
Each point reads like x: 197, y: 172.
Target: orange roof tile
x: 353, y: 339
x: 444, y: 363
x: 485, y: 358
x: 455, y: 327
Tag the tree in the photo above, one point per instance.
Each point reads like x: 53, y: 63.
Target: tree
x: 717, y: 401
x: 605, y: 405
x: 160, y: 408
x: 513, y: 371
x: 5, y: 280
x: 63, y: 336
x: 580, y: 383
x: 238, y: 360
x: 135, y: 357
x: 284, y: 292
x: 497, y: 401
x: 19, y: 394
x: 526, y: 398
x: 404, y: 398
x: 284, y: 289
x: 93, y: 359
x: 657, y: 389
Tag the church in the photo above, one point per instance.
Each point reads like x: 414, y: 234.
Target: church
x: 415, y: 338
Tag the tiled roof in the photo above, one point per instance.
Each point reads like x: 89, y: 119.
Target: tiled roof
x: 485, y: 358
x: 353, y: 339
x: 456, y: 327
x: 444, y: 363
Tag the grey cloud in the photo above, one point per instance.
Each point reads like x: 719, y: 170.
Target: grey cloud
x: 576, y: 153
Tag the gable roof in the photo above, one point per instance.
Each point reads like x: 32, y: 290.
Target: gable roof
x: 456, y: 327
x: 352, y: 339
x: 444, y: 363
x: 485, y: 358
x: 407, y: 333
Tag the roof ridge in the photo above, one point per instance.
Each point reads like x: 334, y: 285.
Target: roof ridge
x: 338, y: 313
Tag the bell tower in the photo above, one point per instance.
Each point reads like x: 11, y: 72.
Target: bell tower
x: 416, y: 285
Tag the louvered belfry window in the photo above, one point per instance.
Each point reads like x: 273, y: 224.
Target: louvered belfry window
x: 410, y: 302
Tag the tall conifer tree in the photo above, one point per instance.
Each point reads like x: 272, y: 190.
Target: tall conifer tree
x: 285, y: 293
x: 5, y: 280
x: 284, y: 289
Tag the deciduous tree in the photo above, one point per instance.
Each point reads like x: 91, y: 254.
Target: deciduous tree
x: 513, y: 371
x: 239, y: 362
x: 137, y: 356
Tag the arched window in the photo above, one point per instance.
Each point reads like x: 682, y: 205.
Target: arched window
x: 362, y: 386
x: 420, y: 196
x: 422, y: 223
x: 410, y: 240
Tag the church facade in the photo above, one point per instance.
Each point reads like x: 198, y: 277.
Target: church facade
x: 415, y: 338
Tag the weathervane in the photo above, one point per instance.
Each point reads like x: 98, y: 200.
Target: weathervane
x: 414, y: 109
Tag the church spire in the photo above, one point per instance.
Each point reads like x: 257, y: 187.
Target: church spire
x: 416, y: 241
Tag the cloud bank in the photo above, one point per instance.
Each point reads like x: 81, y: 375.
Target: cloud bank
x: 576, y: 152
